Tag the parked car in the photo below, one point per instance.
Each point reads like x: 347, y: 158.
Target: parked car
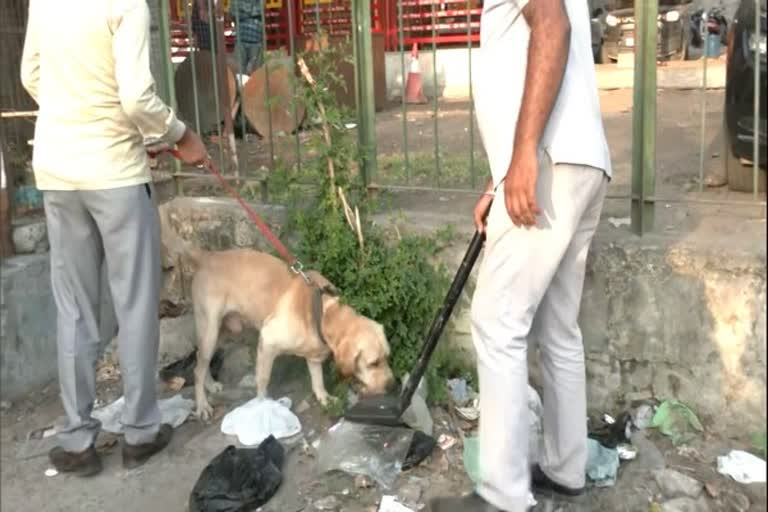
x: 738, y: 114
x: 673, y: 30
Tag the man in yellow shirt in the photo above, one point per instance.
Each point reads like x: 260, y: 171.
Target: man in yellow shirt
x: 87, y: 65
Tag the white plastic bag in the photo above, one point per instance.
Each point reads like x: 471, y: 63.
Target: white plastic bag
x: 743, y: 467
x: 258, y: 419
x: 173, y: 411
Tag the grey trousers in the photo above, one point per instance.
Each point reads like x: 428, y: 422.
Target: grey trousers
x: 529, y: 285
x: 121, y: 229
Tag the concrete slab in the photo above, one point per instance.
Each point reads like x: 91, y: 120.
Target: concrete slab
x: 27, y: 326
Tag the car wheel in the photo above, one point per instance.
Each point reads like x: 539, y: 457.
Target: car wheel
x: 739, y: 176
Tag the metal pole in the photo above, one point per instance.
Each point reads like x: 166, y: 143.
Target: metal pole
x: 192, y: 60
x: 240, y: 54
x: 473, y: 177
x: 404, y: 72
x: 434, y: 93
x: 170, y: 90
x: 756, y: 112
x: 267, y: 93
x: 213, y: 27
x: 366, y: 107
x: 292, y: 49
x: 644, y: 118
x: 703, y: 107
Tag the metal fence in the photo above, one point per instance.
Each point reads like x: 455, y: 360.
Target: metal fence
x: 678, y: 101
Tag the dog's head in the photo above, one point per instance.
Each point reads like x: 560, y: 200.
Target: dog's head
x: 362, y: 352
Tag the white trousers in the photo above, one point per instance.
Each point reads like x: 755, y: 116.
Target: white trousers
x: 530, y: 285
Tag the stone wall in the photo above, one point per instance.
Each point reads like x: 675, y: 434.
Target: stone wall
x: 662, y: 316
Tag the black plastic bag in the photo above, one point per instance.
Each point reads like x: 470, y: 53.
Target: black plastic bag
x: 185, y: 368
x: 239, y: 479
x: 613, y: 434
x: 421, y: 448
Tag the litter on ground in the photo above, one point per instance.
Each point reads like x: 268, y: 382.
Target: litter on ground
x: 239, y: 479
x: 602, y: 464
x: 390, y: 504
x: 677, y: 421
x: 743, y: 467
x: 260, y: 418
x: 370, y: 450
x: 174, y: 411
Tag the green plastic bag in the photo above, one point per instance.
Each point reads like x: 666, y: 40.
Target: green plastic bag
x: 472, y: 458
x: 677, y: 421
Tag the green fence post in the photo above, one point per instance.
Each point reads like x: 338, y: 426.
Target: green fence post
x: 366, y: 108
x: 168, y: 89
x: 644, y: 118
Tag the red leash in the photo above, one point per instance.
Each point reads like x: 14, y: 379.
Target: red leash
x: 289, y: 258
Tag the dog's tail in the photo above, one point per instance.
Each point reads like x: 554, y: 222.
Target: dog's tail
x: 175, y: 247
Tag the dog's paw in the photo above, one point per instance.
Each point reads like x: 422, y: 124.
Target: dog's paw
x: 214, y: 387
x: 204, y: 412
x: 323, y: 398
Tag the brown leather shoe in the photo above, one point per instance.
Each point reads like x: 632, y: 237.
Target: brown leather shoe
x: 85, y: 463
x: 134, y: 455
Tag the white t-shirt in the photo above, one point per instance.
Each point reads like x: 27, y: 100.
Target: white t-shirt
x: 574, y: 133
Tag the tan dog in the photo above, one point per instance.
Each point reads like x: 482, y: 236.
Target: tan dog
x: 230, y: 287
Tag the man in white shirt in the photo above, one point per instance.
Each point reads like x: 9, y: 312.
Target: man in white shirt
x: 87, y: 65
x: 539, y: 115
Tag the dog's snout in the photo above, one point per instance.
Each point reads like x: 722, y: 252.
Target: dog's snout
x: 391, y: 385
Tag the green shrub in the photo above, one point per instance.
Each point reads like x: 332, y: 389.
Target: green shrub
x: 392, y: 278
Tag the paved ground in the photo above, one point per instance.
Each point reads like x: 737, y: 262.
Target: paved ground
x: 407, y: 154
x: 164, y: 484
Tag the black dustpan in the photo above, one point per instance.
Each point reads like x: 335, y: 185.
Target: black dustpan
x: 387, y: 409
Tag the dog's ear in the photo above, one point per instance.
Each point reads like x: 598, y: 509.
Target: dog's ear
x: 345, y: 356
x: 382, y: 337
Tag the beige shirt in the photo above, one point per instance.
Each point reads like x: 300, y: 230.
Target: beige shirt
x: 86, y: 64
x: 574, y: 133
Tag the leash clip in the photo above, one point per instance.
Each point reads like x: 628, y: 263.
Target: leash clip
x: 298, y: 269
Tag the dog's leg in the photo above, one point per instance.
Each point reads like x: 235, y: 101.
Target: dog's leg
x: 318, y: 384
x: 207, y: 332
x: 265, y: 360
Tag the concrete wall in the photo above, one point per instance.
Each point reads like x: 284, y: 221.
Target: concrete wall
x: 27, y: 326
x: 663, y: 316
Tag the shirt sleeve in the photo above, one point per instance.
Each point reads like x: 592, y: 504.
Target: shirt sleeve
x: 30, y: 59
x: 136, y: 86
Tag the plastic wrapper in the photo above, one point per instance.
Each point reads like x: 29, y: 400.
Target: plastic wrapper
x: 371, y: 450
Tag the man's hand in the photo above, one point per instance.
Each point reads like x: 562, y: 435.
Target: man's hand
x: 191, y: 148
x: 520, y: 188
x: 482, y: 208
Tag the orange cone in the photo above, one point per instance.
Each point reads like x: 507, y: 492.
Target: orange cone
x: 413, y: 88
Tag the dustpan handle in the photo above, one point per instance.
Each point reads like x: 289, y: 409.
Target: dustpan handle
x: 438, y: 324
